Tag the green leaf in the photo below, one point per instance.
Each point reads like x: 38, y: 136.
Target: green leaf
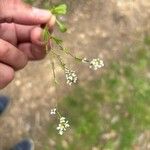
x: 57, y: 40
x: 78, y: 59
x: 59, y: 9
x: 66, y: 50
x: 45, y: 34
x: 56, y: 82
x: 61, y: 26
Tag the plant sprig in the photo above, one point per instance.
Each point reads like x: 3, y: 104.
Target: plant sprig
x: 71, y: 77
x: 57, y: 11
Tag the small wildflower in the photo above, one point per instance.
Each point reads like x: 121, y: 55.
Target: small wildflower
x: 63, y: 124
x: 62, y: 119
x: 96, y: 63
x: 66, y: 124
x: 53, y: 111
x: 60, y: 127
x: 61, y: 132
x: 84, y: 60
x: 70, y: 76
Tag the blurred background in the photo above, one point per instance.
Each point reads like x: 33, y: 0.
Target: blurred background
x: 108, y: 109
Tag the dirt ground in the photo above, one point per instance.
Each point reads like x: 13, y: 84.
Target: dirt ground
x: 96, y: 28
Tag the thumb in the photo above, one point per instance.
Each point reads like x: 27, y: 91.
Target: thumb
x: 18, y: 12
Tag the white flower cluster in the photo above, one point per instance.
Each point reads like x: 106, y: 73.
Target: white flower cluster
x: 63, y: 124
x: 53, y: 111
x: 96, y: 63
x: 70, y: 76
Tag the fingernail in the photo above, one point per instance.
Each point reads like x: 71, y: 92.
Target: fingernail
x: 41, y: 13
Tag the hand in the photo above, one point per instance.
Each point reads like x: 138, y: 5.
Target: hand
x: 20, y: 36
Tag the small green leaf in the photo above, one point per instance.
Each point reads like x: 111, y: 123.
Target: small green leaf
x: 66, y: 50
x: 59, y: 9
x: 45, y: 34
x: 56, y: 82
x: 46, y: 37
x: 78, y: 59
x: 57, y: 40
x: 61, y: 26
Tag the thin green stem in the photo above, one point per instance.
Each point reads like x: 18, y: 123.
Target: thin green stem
x: 57, y: 21
x: 53, y: 71
x: 59, y: 115
x: 66, y: 52
x: 59, y: 58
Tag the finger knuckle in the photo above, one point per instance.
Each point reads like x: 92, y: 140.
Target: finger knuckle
x: 24, y: 62
x: 4, y: 50
x: 9, y: 76
x: 6, y: 77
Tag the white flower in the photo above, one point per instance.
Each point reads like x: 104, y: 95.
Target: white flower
x: 62, y: 119
x: 63, y: 124
x: 61, y: 132
x: 66, y: 124
x: 84, y: 60
x: 60, y: 127
x: 53, y: 111
x: 70, y: 76
x: 96, y: 63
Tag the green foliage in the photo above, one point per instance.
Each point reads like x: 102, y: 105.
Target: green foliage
x: 57, y: 40
x: 147, y: 40
x: 61, y: 26
x: 59, y: 9
x: 46, y: 35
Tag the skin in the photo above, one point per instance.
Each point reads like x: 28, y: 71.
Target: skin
x: 20, y: 36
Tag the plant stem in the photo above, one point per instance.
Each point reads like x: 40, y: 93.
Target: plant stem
x: 60, y: 60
